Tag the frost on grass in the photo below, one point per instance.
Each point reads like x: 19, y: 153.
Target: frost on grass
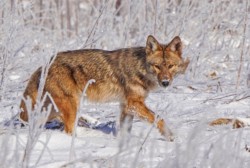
x: 216, y: 83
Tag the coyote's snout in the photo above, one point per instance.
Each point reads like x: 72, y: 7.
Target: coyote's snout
x: 126, y: 75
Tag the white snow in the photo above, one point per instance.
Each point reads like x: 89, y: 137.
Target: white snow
x: 212, y: 33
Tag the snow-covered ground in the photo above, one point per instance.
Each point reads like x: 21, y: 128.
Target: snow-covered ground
x: 216, y: 37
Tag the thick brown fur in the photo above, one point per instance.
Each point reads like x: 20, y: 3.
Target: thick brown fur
x: 126, y: 75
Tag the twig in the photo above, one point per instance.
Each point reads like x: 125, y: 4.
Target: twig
x: 155, y: 24
x: 234, y: 99
x: 217, y: 98
x: 93, y: 28
x: 45, y: 146
x: 239, y: 99
x: 219, y: 86
x: 243, y: 44
x: 72, y: 151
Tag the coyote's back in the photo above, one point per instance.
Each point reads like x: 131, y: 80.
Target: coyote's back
x: 124, y: 75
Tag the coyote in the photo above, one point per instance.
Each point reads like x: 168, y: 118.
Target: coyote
x: 126, y: 75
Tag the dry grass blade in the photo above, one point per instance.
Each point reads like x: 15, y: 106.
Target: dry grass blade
x: 243, y: 46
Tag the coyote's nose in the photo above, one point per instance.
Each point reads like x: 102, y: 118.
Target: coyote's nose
x: 165, y: 83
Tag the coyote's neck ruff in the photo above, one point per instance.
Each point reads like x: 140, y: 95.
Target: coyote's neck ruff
x: 126, y: 75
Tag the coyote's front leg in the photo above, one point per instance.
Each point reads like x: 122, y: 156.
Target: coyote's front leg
x: 136, y: 106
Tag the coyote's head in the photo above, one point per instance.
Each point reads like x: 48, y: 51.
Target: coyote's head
x: 165, y: 61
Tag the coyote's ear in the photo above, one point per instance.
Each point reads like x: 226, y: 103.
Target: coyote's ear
x: 152, y: 45
x: 183, y: 66
x: 176, y: 45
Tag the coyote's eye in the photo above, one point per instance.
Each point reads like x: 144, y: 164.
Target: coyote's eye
x: 170, y: 66
x: 157, y: 67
